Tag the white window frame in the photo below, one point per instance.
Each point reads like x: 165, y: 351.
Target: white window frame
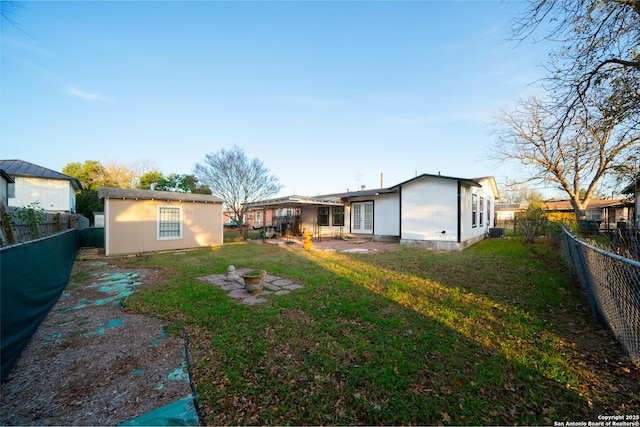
x: 159, y: 222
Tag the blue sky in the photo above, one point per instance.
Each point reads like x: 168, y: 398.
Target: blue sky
x: 329, y: 95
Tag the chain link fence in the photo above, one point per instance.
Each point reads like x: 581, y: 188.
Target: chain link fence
x: 612, y: 284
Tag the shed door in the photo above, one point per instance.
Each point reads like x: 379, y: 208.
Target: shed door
x: 362, y: 217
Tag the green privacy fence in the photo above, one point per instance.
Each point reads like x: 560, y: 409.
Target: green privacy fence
x: 612, y: 283
x: 32, y: 278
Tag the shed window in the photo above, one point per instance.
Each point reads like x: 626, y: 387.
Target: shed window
x: 169, y: 222
x: 338, y: 215
x: 323, y: 215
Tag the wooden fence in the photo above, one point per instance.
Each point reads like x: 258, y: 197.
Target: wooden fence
x: 21, y: 225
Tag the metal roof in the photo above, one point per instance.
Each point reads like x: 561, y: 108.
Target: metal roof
x: 135, y: 194
x: 294, y: 201
x: 25, y: 169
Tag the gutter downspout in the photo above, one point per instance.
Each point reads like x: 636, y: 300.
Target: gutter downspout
x: 400, y: 213
x: 459, y: 211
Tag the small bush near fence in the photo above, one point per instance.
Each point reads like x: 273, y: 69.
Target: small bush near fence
x: 20, y: 225
x: 612, y: 283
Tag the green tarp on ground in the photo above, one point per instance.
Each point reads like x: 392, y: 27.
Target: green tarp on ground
x: 179, y: 413
x: 32, y: 278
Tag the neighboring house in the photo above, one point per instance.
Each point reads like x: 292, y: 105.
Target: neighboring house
x: 432, y: 211
x: 606, y: 213
x: 253, y: 218
x: 5, y: 180
x: 506, y: 212
x: 50, y: 190
x: 138, y: 221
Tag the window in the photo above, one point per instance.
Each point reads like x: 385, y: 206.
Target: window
x: 481, y: 209
x: 323, y: 215
x: 169, y: 222
x: 489, y: 212
x: 474, y: 209
x: 338, y: 215
x: 258, y: 216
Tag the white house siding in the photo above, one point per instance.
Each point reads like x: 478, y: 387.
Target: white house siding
x: 429, y: 212
x: 51, y: 194
x: 386, y: 216
x: 470, y: 234
x: 3, y: 190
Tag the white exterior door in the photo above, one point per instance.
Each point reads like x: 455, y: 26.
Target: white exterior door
x: 362, y: 217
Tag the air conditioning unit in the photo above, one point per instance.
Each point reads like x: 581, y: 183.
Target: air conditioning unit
x: 496, y: 232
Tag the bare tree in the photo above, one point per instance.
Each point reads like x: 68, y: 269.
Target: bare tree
x: 576, y: 158
x: 598, y: 57
x: 237, y: 180
x: 513, y: 191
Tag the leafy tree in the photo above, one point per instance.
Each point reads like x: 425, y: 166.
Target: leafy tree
x: 532, y: 222
x: 598, y: 57
x: 181, y: 183
x: 89, y: 173
x: 577, y: 157
x: 237, y: 180
x: 87, y: 203
x: 118, y: 175
x: 150, y: 180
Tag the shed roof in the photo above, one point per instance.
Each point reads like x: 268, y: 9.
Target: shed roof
x: 25, y: 169
x: 136, y: 194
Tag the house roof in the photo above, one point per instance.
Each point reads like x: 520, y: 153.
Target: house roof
x: 470, y: 182
x: 359, y: 193
x: 294, y: 201
x: 6, y: 176
x: 563, y: 205
x: 25, y: 169
x: 135, y: 194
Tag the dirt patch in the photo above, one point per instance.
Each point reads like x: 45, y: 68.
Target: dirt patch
x: 92, y: 363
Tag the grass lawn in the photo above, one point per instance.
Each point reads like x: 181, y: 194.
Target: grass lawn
x: 496, y: 334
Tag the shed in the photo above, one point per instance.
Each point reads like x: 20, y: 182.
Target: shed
x: 138, y: 221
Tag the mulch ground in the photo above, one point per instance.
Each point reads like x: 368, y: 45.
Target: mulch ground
x: 92, y: 363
